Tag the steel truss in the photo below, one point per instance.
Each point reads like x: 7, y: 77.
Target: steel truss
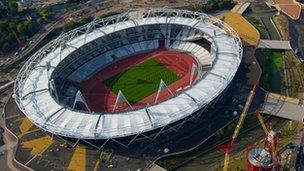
x: 152, y: 137
x: 62, y: 42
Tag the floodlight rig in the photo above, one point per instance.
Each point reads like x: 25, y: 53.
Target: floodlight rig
x: 162, y: 86
x: 79, y: 98
x: 194, y: 70
x: 121, y: 98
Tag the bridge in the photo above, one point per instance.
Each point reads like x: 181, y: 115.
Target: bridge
x: 240, y: 8
x: 283, y: 106
x: 274, y: 44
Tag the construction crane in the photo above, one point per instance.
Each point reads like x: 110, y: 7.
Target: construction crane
x: 238, y: 127
x: 262, y: 122
x: 270, y: 134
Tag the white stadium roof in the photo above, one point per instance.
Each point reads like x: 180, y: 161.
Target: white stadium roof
x: 32, y: 94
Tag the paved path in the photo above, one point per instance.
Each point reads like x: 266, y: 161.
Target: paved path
x: 240, y: 7
x: 243, y: 7
x: 283, y: 106
x: 6, y: 86
x: 11, y: 143
x: 8, y: 148
x: 274, y: 44
x: 156, y: 167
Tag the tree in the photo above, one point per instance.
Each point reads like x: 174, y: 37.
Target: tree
x: 6, y: 47
x: 70, y: 25
x: 3, y: 26
x: 10, y: 38
x: 85, y: 20
x: 12, y: 7
x: 13, y: 23
x: 74, y: 1
x: 45, y: 14
x: 30, y: 29
x: 25, y: 28
x: 22, y: 29
x: 212, y: 5
x: 3, y: 12
x: 1, y: 41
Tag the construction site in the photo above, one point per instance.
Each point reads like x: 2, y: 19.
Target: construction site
x: 160, y: 89
x: 267, y: 141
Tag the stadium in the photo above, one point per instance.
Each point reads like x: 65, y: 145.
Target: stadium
x: 128, y: 74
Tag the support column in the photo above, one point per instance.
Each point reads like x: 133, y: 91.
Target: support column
x: 80, y: 98
x: 53, y: 88
x: 162, y: 86
x: 48, y: 67
x: 194, y: 70
x: 121, y: 98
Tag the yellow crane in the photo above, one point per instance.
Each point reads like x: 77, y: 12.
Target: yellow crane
x: 262, y: 122
x: 238, y: 126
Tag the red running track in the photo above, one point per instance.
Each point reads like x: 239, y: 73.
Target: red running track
x: 102, y: 99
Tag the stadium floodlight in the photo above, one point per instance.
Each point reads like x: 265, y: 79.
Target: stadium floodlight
x: 53, y: 88
x: 79, y: 98
x: 121, y: 99
x: 162, y: 86
x: 48, y: 67
x: 194, y: 70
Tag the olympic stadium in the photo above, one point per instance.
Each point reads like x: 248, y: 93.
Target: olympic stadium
x: 128, y: 74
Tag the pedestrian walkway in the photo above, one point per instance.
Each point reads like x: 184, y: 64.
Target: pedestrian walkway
x: 274, y: 44
x: 156, y: 167
x: 283, y: 106
x: 6, y: 86
x: 240, y: 8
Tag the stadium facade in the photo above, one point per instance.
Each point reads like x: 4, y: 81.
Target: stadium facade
x: 42, y: 94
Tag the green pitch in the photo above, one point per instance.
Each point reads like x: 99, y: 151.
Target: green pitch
x: 141, y: 80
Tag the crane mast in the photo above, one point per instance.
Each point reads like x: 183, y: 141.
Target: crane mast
x: 238, y: 126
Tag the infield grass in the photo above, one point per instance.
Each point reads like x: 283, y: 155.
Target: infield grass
x: 141, y: 80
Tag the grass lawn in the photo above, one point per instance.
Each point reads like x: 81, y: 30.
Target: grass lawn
x: 141, y: 80
x: 272, y: 63
x: 281, y: 23
x: 295, y: 75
